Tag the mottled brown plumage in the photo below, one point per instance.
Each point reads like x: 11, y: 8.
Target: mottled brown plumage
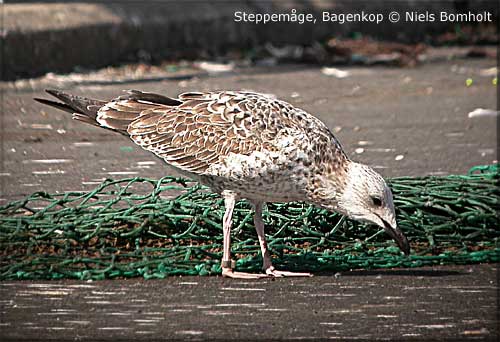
x: 244, y: 145
x: 200, y: 129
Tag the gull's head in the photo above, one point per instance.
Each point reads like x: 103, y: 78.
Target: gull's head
x: 366, y: 197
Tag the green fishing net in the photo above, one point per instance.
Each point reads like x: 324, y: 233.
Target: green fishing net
x: 155, y: 228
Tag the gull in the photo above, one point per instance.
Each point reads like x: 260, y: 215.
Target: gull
x: 245, y: 145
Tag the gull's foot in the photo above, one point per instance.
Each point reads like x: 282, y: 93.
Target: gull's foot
x: 228, y: 272
x: 275, y: 273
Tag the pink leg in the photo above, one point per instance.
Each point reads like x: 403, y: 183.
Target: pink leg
x: 267, y: 265
x: 227, y: 263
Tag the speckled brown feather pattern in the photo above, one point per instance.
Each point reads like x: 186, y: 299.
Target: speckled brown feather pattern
x: 200, y: 129
x: 258, y: 146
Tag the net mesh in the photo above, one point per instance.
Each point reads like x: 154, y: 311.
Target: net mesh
x: 155, y: 228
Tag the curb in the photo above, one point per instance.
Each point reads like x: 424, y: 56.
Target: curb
x: 59, y: 37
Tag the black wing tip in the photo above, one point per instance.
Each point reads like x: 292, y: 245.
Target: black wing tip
x: 55, y: 104
x: 53, y: 92
x: 45, y: 101
x: 138, y: 95
x: 38, y: 99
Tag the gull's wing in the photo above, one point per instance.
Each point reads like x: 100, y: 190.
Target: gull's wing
x: 206, y: 127
x: 200, y: 129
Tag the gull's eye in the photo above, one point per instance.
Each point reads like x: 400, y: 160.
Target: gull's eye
x: 376, y: 201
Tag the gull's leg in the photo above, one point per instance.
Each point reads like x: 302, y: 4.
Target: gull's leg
x: 227, y: 263
x: 267, y: 265
x: 259, y: 227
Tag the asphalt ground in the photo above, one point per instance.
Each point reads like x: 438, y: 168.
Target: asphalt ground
x: 425, y: 304
x: 402, y: 121
x: 379, y: 114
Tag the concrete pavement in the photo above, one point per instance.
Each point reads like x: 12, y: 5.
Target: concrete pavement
x: 404, y: 122
x: 453, y: 303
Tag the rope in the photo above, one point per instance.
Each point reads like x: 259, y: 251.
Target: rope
x: 156, y: 228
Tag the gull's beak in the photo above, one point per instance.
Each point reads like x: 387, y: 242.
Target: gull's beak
x: 398, y: 236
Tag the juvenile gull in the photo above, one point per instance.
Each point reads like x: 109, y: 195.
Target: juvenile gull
x: 245, y: 145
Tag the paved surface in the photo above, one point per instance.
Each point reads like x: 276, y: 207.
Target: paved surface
x: 380, y: 115
x: 453, y: 303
